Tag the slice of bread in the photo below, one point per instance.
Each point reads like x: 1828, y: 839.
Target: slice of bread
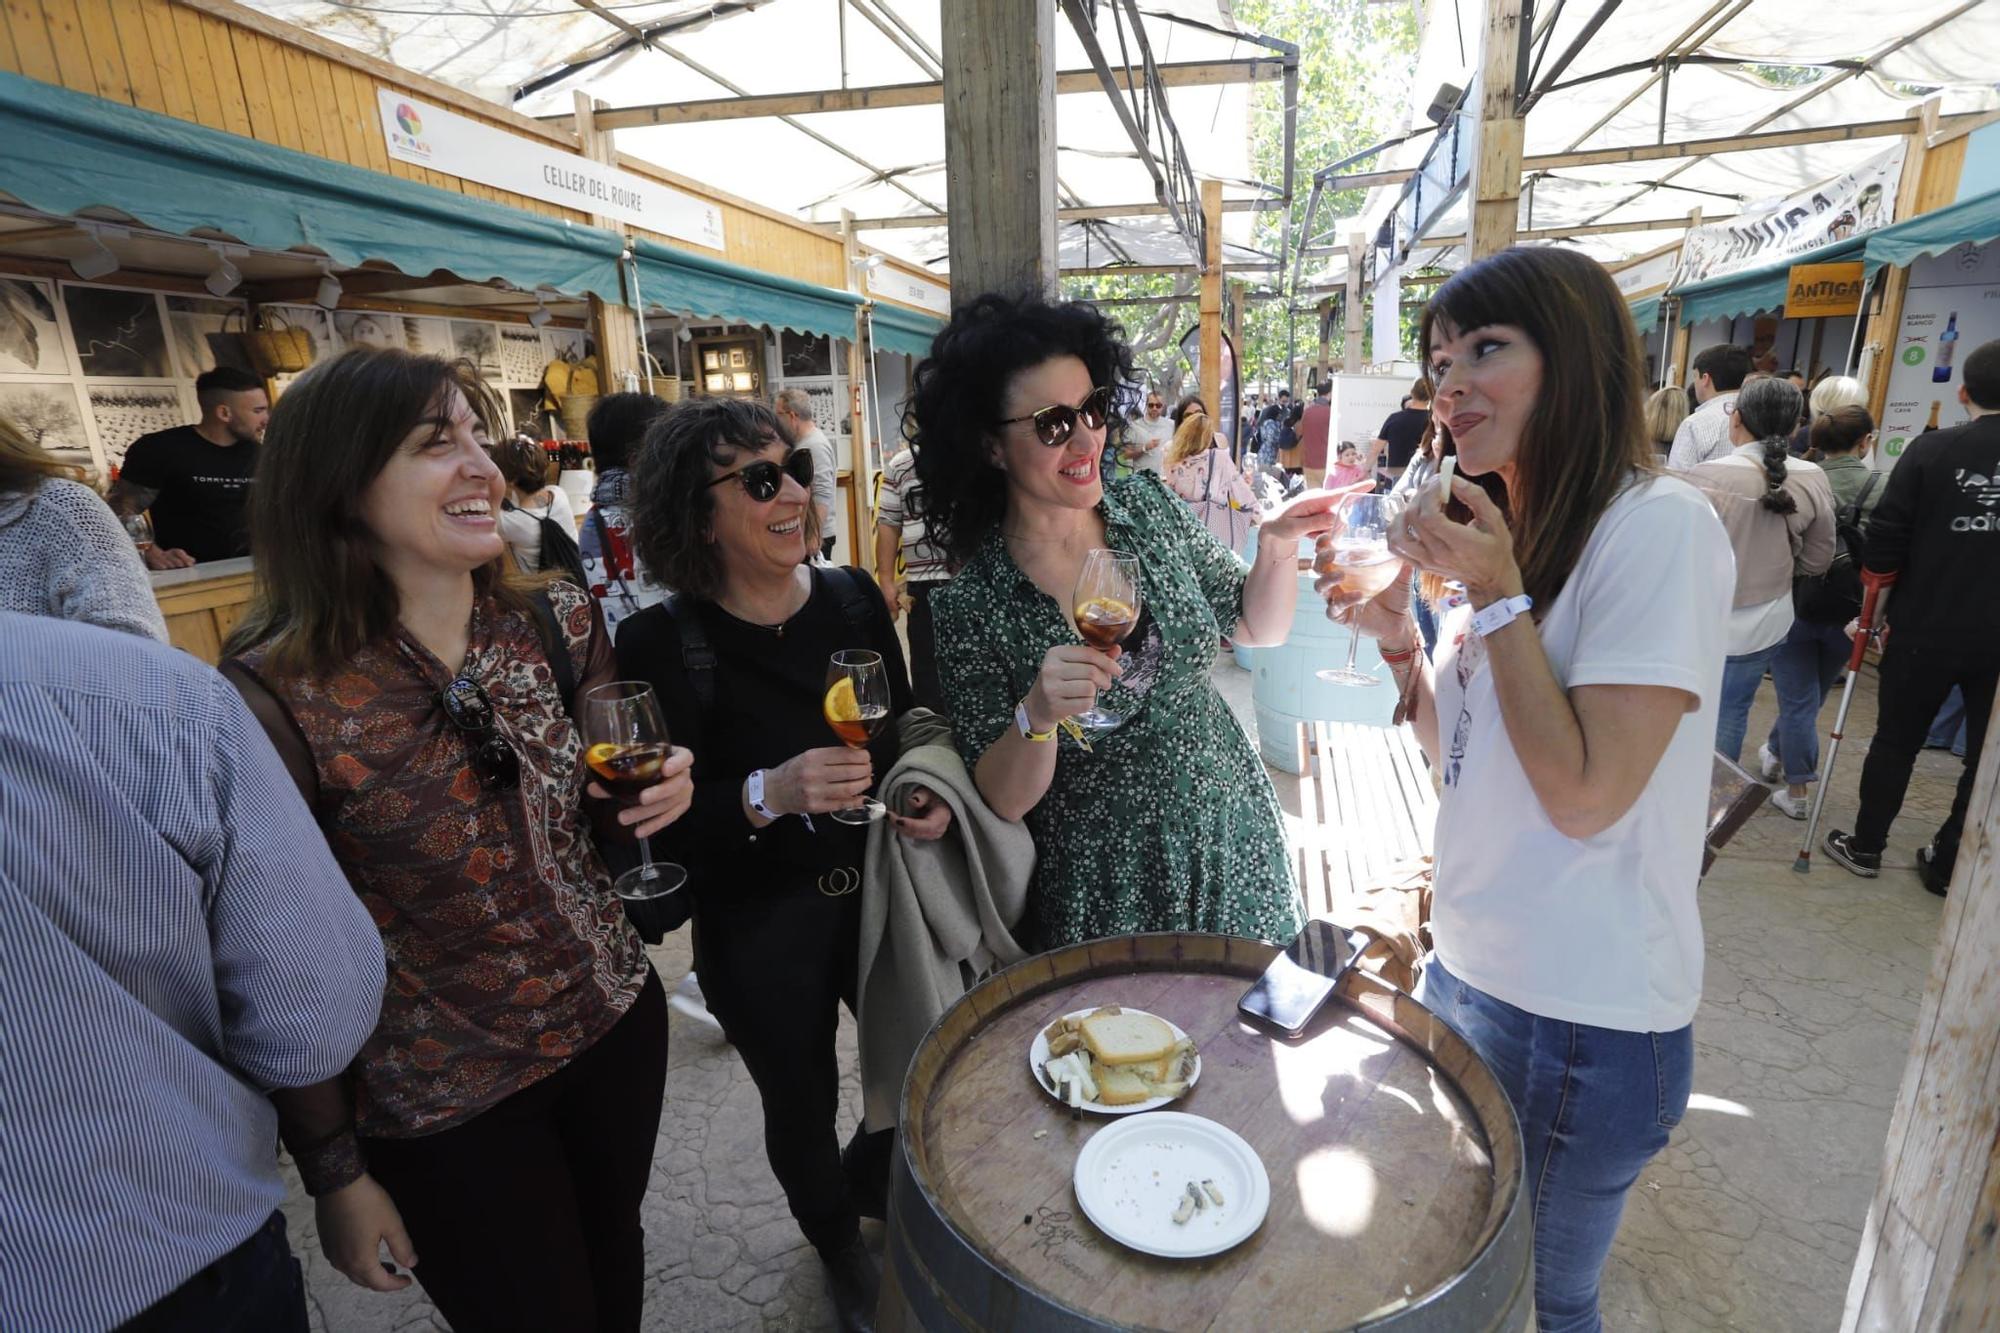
x: 1120, y: 1086
x: 1127, y: 1039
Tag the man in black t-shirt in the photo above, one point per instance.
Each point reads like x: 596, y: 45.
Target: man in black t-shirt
x: 1937, y: 530
x: 1404, y: 431
x: 196, y: 479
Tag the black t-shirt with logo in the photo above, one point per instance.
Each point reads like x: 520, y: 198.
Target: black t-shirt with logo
x: 204, y: 491
x: 1404, y: 431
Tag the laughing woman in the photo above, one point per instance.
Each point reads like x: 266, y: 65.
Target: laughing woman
x: 1571, y: 713
x: 496, y: 1133
x: 1167, y: 822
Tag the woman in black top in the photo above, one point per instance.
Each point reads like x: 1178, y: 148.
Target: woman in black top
x: 722, y: 512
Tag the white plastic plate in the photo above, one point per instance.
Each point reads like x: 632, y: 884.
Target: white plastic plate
x: 1038, y: 1054
x: 1131, y: 1175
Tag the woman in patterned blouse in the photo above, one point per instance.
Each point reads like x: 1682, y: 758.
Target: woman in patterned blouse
x: 1167, y: 822
x: 500, y: 1122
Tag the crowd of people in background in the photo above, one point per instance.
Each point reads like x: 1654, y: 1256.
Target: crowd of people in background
x: 387, y: 870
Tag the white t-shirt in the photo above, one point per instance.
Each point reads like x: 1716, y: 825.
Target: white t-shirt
x: 521, y: 528
x: 1155, y: 436
x: 1602, y: 930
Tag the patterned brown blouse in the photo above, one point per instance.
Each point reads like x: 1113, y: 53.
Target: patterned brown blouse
x: 508, y: 954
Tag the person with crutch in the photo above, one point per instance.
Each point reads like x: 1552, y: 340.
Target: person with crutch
x: 1936, y: 536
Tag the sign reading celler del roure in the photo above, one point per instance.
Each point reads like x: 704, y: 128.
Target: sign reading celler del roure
x: 430, y: 136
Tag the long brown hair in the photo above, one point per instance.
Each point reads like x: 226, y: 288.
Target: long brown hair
x: 25, y: 465
x: 1586, y: 435
x: 319, y: 596
x: 1193, y: 435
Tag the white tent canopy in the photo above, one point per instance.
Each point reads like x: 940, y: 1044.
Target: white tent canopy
x: 1881, y: 59
x: 874, y: 163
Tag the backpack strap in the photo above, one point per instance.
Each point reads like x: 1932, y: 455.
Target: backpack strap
x: 1851, y: 512
x: 697, y: 657
x: 855, y: 608
x: 555, y: 647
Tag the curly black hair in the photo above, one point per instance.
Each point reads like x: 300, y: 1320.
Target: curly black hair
x: 673, y: 505
x: 955, y: 402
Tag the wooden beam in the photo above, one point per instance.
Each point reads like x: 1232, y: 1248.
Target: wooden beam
x: 860, y: 532
x: 1181, y: 74
x: 1494, y: 187
x: 1679, y: 367
x: 1929, y: 181
x: 1928, y: 1257
x: 1357, y: 180
x: 1352, y: 311
x: 999, y: 93
x: 1654, y: 253
x: 1140, y: 270
x: 1325, y: 312
x: 1732, y: 143
x: 1211, y: 295
x: 619, y: 329
x: 1074, y: 213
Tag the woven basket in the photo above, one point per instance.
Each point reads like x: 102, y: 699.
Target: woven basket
x: 279, y: 349
x: 575, y: 412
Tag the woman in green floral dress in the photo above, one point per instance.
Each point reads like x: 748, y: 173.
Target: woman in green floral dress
x: 1166, y: 822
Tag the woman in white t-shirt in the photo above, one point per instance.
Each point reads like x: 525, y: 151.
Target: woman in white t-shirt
x: 1570, y: 711
x: 530, y: 499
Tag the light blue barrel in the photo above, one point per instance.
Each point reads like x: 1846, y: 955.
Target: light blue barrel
x: 1287, y: 689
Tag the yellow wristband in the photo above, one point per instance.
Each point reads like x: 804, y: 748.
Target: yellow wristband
x: 1027, y: 727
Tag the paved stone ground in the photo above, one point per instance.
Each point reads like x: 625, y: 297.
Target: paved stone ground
x: 1749, y: 1220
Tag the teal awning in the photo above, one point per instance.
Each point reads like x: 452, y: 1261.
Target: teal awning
x: 67, y: 151
x: 901, y: 330
x: 1754, y: 291
x: 695, y: 284
x: 1645, y: 313
x: 1976, y: 219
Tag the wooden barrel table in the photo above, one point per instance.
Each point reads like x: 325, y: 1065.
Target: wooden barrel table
x: 1393, y: 1155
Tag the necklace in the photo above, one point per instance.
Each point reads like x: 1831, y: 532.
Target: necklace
x: 777, y: 627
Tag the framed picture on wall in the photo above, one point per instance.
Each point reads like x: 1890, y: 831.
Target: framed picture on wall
x: 427, y: 336
x: 478, y: 342
x: 521, y: 358
x: 118, y: 332
x: 368, y: 328
x: 804, y: 355
x: 121, y: 413
x: 716, y: 382
x: 711, y: 359
x: 47, y: 413
x: 30, y: 339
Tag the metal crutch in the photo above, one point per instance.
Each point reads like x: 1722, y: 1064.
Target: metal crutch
x: 1874, y: 602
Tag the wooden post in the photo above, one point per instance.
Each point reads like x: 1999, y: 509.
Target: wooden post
x: 1495, y: 184
x: 1677, y: 370
x: 1930, y: 181
x: 1929, y: 1256
x: 861, y: 543
x: 1355, y: 313
x: 1325, y: 337
x: 1000, y: 145
x: 1211, y: 298
x: 614, y: 327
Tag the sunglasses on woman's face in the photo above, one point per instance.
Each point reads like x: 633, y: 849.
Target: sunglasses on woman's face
x: 763, y: 478
x: 1054, y: 425
x: 468, y: 708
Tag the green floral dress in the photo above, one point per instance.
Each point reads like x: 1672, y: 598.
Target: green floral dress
x: 1169, y: 821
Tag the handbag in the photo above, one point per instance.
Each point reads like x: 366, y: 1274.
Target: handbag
x: 280, y: 347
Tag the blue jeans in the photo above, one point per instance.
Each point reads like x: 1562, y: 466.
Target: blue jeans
x: 1740, y: 678
x: 1595, y: 1104
x: 1808, y: 662
x: 257, y: 1287
x: 1948, y: 731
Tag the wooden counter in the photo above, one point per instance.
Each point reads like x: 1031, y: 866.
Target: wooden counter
x: 202, y: 604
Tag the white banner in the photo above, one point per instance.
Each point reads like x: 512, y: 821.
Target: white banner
x: 430, y: 136
x: 1860, y: 201
x: 909, y: 289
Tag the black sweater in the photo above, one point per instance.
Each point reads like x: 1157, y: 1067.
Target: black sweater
x: 768, y: 692
x: 1938, y: 523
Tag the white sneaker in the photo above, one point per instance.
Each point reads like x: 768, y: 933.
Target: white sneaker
x: 1769, y: 766
x: 688, y: 1001
x: 1793, y: 807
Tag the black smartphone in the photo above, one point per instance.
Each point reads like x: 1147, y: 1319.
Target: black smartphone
x: 1300, y: 979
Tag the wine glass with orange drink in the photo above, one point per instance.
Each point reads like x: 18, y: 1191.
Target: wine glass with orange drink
x: 625, y: 742
x: 857, y: 708
x: 1106, y: 609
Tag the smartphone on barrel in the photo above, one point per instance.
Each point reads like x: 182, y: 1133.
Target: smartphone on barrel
x: 1300, y: 979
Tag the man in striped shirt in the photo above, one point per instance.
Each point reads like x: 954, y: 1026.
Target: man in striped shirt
x: 176, y: 943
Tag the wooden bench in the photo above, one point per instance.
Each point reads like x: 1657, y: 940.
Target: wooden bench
x: 1366, y: 799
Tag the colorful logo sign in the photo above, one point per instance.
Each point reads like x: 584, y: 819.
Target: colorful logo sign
x: 406, y: 116
x: 1913, y: 355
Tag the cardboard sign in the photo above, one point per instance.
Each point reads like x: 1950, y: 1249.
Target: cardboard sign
x: 1812, y: 290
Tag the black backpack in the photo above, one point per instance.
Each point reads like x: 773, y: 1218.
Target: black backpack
x: 560, y: 553
x: 1834, y: 598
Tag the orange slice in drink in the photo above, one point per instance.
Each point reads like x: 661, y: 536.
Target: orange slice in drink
x: 601, y: 753
x: 841, y: 705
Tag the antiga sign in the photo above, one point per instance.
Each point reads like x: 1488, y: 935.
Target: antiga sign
x: 1813, y: 290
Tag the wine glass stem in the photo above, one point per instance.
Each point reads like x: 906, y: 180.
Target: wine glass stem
x: 646, y: 868
x: 1353, y: 642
